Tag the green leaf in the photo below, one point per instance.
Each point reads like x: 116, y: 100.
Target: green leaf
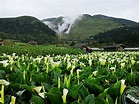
x: 7, y: 99
x: 90, y: 99
x: 83, y: 92
x: 100, y: 101
x: 103, y: 94
x: 75, y: 102
x: 37, y: 100
x: 28, y: 88
x: 2, y: 74
x: 47, y: 86
x: 54, y: 95
x: 75, y: 90
x: 110, y: 100
x: 38, y: 78
x: 115, y: 89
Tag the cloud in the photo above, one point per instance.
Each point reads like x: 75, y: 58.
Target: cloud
x: 41, y: 9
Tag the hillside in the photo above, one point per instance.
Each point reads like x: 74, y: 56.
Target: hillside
x: 126, y: 35
x: 92, y: 25
x: 85, y: 26
x: 26, y: 28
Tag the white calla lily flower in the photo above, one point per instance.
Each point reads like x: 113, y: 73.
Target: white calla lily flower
x: 65, y: 92
x: 38, y: 89
x: 4, y: 82
x: 5, y: 63
x: 95, y: 73
x: 42, y: 94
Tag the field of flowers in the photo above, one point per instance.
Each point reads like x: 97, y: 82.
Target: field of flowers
x: 95, y: 78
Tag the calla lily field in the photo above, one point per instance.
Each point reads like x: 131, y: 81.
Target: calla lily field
x: 93, y: 78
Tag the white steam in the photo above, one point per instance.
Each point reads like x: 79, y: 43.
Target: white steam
x: 51, y: 25
x: 64, y: 26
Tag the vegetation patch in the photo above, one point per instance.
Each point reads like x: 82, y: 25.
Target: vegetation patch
x: 95, y: 78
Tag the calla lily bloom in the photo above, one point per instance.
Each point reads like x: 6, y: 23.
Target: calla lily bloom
x: 38, y: 89
x: 4, y: 82
x: 65, y: 92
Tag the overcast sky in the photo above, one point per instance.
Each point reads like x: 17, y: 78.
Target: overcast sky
x: 128, y: 9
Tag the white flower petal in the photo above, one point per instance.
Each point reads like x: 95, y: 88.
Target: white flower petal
x: 123, y: 81
x: 65, y: 91
x: 38, y: 89
x: 4, y: 82
x: 41, y: 94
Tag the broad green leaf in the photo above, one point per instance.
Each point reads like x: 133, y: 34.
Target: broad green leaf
x: 28, y: 88
x: 103, y: 94
x: 109, y: 100
x: 54, y: 95
x: 96, y: 89
x: 37, y: 100
x: 75, y: 102
x: 100, y: 101
x: 90, y: 99
x: 75, y: 90
x: 47, y: 86
x: 115, y: 89
x: 83, y: 92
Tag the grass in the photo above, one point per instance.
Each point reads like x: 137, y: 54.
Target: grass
x: 39, y: 50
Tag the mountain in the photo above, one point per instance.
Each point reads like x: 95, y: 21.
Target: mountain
x: 84, y: 29
x: 92, y: 25
x: 85, y: 26
x: 26, y: 28
x: 126, y: 35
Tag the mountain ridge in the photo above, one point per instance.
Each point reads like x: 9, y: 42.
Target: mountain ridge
x: 66, y: 30
x: 86, y: 25
x: 25, y: 28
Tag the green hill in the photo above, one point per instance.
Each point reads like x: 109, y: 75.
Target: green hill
x: 126, y: 35
x: 26, y: 28
x: 88, y: 26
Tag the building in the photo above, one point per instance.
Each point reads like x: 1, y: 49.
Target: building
x: 118, y: 47
x: 1, y: 43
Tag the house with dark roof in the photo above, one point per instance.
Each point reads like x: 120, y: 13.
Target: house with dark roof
x: 1, y: 43
x: 118, y: 47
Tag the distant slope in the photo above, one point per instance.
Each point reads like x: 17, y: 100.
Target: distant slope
x: 89, y: 25
x: 26, y: 28
x: 126, y: 35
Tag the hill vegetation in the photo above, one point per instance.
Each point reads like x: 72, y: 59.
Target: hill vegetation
x: 126, y: 35
x: 26, y: 28
x: 91, y: 30
x: 89, y: 25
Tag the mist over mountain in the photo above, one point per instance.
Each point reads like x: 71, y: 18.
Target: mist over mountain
x: 86, y: 26
x: 61, y: 25
x: 87, y: 29
x: 93, y: 25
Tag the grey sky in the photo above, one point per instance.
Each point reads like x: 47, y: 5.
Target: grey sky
x: 42, y: 9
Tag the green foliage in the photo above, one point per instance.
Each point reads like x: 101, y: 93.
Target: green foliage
x: 36, y: 79
x: 126, y: 35
x: 34, y: 50
x: 88, y: 25
x: 25, y: 29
